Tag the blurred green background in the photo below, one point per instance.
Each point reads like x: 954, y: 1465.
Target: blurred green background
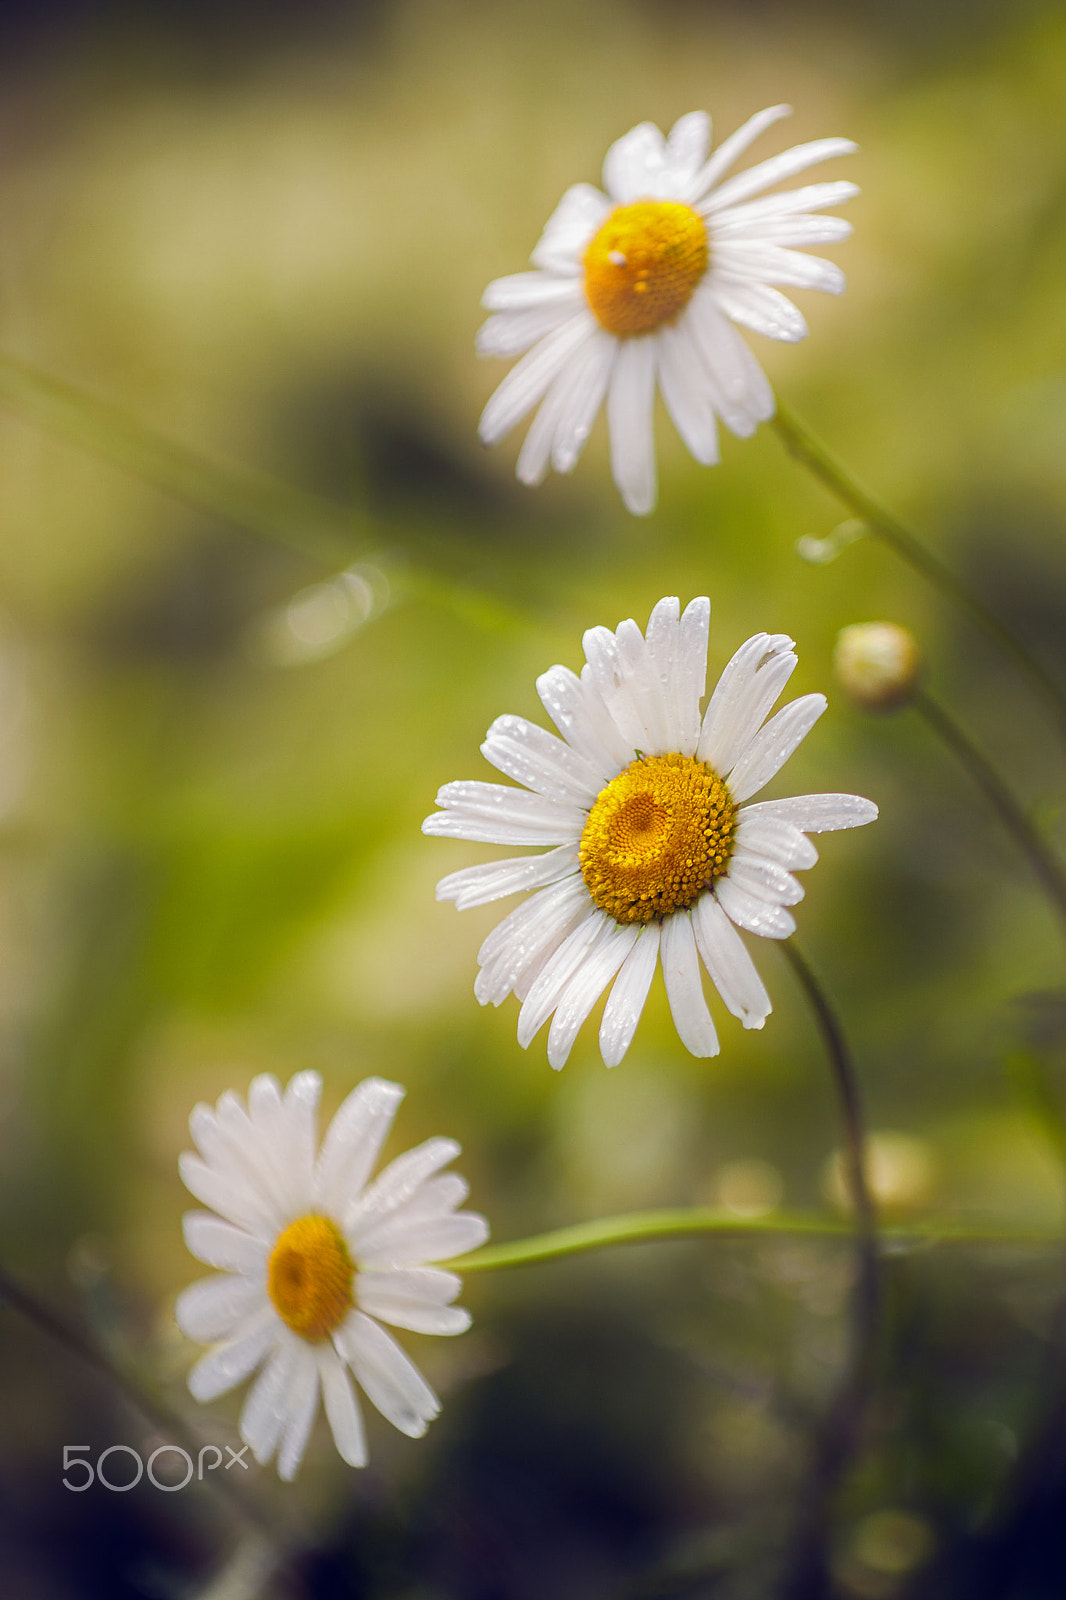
x: 265, y: 233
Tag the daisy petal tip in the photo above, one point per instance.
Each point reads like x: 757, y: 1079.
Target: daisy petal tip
x: 639, y: 503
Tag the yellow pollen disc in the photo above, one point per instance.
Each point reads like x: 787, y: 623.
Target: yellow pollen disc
x: 642, y: 266
x: 657, y: 837
x: 309, y: 1277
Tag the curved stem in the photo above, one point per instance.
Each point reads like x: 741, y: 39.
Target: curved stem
x: 802, y: 444
x: 642, y: 1227
x: 988, y: 1557
x: 807, y: 1575
x: 73, y: 1340
x: 1045, y: 864
x: 240, y: 496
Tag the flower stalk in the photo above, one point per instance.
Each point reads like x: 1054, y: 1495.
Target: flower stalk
x: 690, y: 1222
x: 76, y: 1342
x: 840, y: 1434
x: 330, y: 535
x: 805, y: 447
x: 1045, y: 864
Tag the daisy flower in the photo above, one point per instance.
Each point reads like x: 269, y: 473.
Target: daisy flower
x: 658, y: 855
x: 314, y: 1258
x: 644, y: 283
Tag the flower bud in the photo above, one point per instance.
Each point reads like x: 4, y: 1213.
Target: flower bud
x: 877, y: 664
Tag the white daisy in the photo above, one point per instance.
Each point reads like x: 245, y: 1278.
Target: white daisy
x: 314, y: 1258
x: 644, y: 283
x: 657, y: 851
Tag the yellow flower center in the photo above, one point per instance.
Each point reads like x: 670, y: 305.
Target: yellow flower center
x: 643, y: 264
x: 657, y: 837
x: 309, y: 1277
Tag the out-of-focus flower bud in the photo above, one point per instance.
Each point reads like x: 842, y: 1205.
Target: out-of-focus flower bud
x: 877, y: 664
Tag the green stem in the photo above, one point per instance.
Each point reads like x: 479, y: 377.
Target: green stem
x: 77, y: 1343
x: 240, y: 496
x: 641, y: 1227
x: 802, y: 444
x: 1045, y: 864
x: 237, y: 495
x: 840, y: 1434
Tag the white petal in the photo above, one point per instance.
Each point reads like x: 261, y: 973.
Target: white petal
x: 741, y: 394
x: 555, y: 411
x: 342, y: 1407
x: 397, y: 1183
x: 775, y: 170
x: 754, y: 215
x: 228, y: 1364
x: 353, y: 1142
x: 267, y: 1408
x: 622, y: 675
x: 416, y: 1298
x: 492, y: 813
x: 220, y: 1244
x: 687, y: 144
x: 628, y: 996
x: 763, y: 880
x: 538, y: 759
x: 510, y: 333
x: 630, y: 398
x: 547, y: 988
x: 406, y: 1230
x: 403, y: 1240
x: 692, y: 669
x: 756, y: 916
x: 780, y: 841
x: 302, y: 1409
x: 644, y: 687
x: 583, y: 720
x: 592, y: 372
x: 762, y: 309
x: 771, y: 748
x: 751, y: 682
x: 265, y: 1101
x: 437, y: 1197
x: 299, y: 1126
x: 770, y: 263
x: 525, y: 939
x: 477, y: 886
x: 569, y: 228
x: 214, y: 1308
x: 684, y: 989
x: 802, y: 231
x: 586, y: 987
x: 633, y: 167
x: 523, y: 291
x: 221, y: 1131
x: 270, y: 1121
x: 685, y: 393
x: 238, y: 1174
x: 729, y: 964
x: 728, y: 151
x: 663, y: 646
x: 390, y: 1381
x: 816, y: 813
x: 527, y: 382
x: 229, y: 1195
